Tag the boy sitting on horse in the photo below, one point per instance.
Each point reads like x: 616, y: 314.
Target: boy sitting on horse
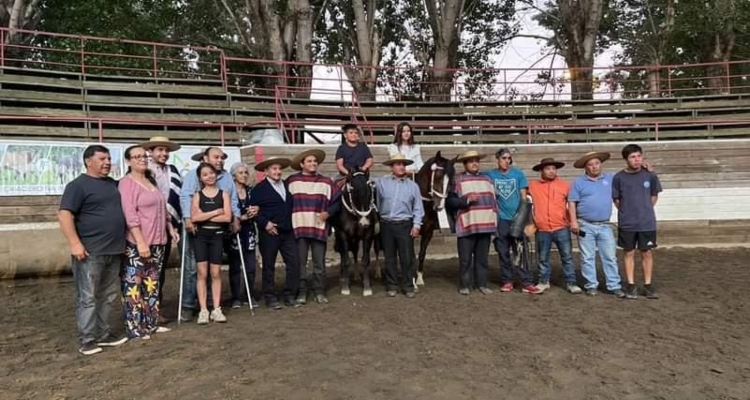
x: 352, y: 155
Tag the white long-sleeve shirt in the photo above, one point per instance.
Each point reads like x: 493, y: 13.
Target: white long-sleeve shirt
x: 411, y: 152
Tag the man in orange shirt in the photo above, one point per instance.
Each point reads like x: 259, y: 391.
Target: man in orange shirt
x: 550, y: 199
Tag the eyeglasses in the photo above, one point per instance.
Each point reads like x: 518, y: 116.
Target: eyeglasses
x: 139, y: 157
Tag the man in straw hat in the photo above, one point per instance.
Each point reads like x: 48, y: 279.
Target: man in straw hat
x: 590, y: 208
x: 635, y: 191
x: 472, y: 200
x: 276, y: 232
x: 550, y: 197
x: 511, y: 188
x: 191, y: 185
x: 312, y: 194
x: 401, y: 214
x: 169, y: 182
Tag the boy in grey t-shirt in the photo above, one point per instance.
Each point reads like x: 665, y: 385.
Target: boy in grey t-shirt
x: 635, y: 192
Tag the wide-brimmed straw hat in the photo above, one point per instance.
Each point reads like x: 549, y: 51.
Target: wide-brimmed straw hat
x: 320, y: 156
x: 548, y: 161
x: 199, y: 156
x: 469, y: 155
x: 398, y: 158
x: 283, y: 162
x: 581, y: 162
x: 157, y: 141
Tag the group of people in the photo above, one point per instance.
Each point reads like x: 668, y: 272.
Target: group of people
x: 489, y: 203
x: 121, y: 232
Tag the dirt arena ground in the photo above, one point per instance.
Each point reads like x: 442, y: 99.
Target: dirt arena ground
x: 694, y: 343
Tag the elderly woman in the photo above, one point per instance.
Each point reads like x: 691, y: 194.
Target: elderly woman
x: 241, y: 174
x: 403, y: 143
x: 147, y: 221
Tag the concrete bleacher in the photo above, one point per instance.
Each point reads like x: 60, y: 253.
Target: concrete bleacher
x: 192, y: 111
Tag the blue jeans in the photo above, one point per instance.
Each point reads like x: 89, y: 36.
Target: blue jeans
x: 601, y: 237
x: 561, y: 239
x: 190, y: 278
x: 97, y: 282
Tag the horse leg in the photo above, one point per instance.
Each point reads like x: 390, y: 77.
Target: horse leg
x: 354, y: 248
x: 366, y: 284
x: 424, y: 241
x: 344, y: 253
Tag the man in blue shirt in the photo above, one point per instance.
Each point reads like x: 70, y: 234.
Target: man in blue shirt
x: 510, y: 189
x: 590, y: 208
x: 401, y: 214
x: 191, y: 185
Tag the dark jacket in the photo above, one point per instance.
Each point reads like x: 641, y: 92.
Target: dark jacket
x: 272, y: 207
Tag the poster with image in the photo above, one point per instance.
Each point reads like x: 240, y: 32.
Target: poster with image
x: 32, y: 168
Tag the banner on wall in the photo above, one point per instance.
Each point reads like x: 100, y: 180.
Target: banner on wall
x: 30, y: 168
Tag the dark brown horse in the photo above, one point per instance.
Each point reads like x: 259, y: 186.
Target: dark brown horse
x: 355, y: 223
x: 434, y: 179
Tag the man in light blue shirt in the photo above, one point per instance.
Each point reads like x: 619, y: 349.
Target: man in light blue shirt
x: 191, y: 185
x: 401, y: 213
x: 590, y: 208
x: 510, y: 189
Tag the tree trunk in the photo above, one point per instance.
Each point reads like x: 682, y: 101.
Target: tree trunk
x: 654, y: 84
x: 579, y: 24
x: 445, y: 20
x: 304, y: 52
x: 723, y: 16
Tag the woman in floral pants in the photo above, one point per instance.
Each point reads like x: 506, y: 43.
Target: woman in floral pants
x: 147, y: 218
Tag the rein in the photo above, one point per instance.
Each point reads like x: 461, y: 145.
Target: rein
x: 433, y: 192
x: 352, y: 209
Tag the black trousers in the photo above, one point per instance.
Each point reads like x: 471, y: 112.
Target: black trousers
x: 270, y: 246
x: 163, y: 273
x: 473, y: 251
x: 318, y: 249
x: 396, y: 239
x: 236, y: 281
x: 503, y: 243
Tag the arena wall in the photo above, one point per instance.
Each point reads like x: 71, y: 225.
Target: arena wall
x: 704, y: 203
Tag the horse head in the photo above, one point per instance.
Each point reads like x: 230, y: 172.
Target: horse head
x: 359, y: 196
x: 434, y: 179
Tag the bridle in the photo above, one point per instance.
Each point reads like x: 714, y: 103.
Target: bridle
x: 433, y: 193
x: 352, y: 209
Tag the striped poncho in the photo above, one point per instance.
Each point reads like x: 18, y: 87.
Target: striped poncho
x: 481, y: 216
x: 312, y: 194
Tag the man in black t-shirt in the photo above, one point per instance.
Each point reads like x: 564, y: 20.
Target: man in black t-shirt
x: 635, y: 191
x: 92, y: 221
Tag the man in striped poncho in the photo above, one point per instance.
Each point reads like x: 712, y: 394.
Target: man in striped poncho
x: 312, y: 193
x: 472, y: 199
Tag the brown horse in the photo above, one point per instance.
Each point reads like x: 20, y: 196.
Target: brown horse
x: 434, y: 179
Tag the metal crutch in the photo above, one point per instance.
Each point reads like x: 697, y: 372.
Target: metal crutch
x: 244, y: 275
x: 182, y: 273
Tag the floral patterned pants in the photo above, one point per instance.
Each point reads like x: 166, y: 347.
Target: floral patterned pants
x: 140, y: 290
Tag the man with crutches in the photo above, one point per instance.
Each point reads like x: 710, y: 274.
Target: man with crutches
x: 191, y: 185
x: 510, y: 193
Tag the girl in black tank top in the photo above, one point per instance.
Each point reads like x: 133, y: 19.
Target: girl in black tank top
x: 211, y: 213
x: 208, y: 204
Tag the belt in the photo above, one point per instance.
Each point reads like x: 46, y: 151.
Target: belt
x: 402, y: 222
x: 595, y: 222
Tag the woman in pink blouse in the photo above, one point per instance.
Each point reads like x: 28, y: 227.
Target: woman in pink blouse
x: 147, y: 221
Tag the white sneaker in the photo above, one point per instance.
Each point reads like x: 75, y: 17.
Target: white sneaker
x: 162, y: 329
x: 574, y: 289
x: 203, y: 317
x: 217, y: 315
x: 542, y: 287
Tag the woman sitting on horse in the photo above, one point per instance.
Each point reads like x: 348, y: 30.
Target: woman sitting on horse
x: 403, y: 143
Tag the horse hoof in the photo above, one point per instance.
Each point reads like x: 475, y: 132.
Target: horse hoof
x: 345, y: 292
x: 420, y: 279
x: 367, y: 292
